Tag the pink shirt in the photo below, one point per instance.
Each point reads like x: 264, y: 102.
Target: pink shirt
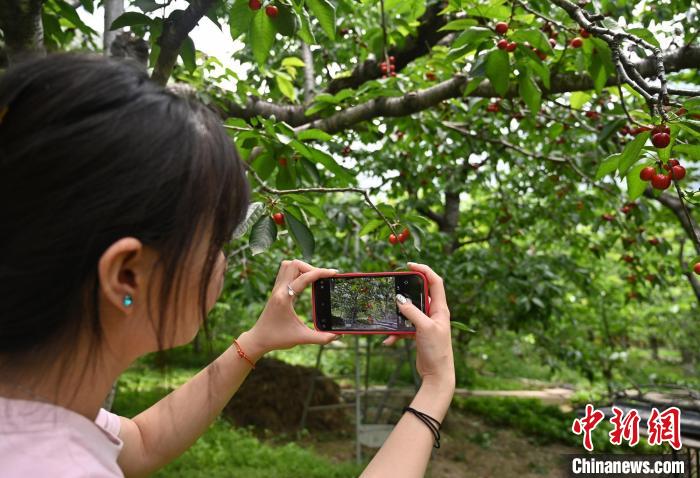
x: 42, y: 439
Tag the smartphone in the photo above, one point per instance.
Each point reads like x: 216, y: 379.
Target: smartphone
x: 365, y: 303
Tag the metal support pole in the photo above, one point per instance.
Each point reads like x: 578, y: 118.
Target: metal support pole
x: 358, y: 415
x: 309, y: 394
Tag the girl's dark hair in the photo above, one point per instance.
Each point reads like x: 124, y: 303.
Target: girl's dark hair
x: 92, y: 150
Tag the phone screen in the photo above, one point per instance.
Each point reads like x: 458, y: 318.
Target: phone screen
x: 366, y: 303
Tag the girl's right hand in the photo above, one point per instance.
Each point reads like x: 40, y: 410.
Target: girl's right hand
x: 434, y: 357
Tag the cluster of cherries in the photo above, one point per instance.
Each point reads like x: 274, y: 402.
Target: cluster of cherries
x: 271, y: 10
x: 577, y: 42
x: 503, y: 44
x: 658, y: 179
x: 403, y: 235
x: 388, y: 68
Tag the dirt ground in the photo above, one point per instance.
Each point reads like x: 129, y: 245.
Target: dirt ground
x: 469, y: 448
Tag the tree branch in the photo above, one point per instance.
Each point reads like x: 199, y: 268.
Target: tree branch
x: 309, y: 76
x: 416, y: 46
x: 412, y: 102
x: 175, y: 30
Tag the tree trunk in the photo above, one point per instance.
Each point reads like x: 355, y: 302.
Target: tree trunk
x: 113, y: 10
x: 20, y: 21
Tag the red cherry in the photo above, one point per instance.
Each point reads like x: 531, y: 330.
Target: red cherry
x: 430, y: 76
x: 661, y: 140
x: 584, y: 33
x: 661, y: 181
x: 592, y: 115
x: 673, y: 162
x: 628, y: 259
x: 501, y: 28
x: 271, y: 11
x: 254, y: 4
x: 346, y: 151
x: 278, y: 217
x: 382, y: 67
x: 393, y: 239
x: 624, y: 130
x: 654, y: 241
x: 696, y: 268
x: 512, y: 46
x: 576, y: 43
x: 405, y: 234
x: 282, y: 161
x: 647, y: 173
x: 542, y: 55
x: 493, y: 108
x: 552, y: 42
x: 392, y: 59
x: 393, y: 73
x: 681, y: 111
x: 678, y: 172
x: 608, y: 217
x: 502, y: 44
x: 660, y: 128
x: 625, y: 209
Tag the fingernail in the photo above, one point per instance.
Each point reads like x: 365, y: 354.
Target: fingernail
x: 334, y: 270
x: 401, y: 299
x: 411, y: 263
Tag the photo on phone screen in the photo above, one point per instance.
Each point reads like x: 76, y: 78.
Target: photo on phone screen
x: 366, y: 303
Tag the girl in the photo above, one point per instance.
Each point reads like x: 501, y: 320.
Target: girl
x: 116, y: 199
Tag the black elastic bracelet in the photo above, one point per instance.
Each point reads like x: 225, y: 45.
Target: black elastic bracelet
x: 432, y: 423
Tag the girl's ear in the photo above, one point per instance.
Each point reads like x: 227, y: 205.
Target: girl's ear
x: 122, y: 272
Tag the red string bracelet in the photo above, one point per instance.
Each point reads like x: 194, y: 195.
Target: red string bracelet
x: 242, y: 354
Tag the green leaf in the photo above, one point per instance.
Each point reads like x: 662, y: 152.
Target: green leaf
x: 305, y: 32
x: 459, y: 24
x: 692, y: 103
x: 578, y: 99
x: 147, y: 6
x: 311, y: 171
x: 608, y: 165
x: 262, y: 235
x: 287, y: 21
x: 498, y: 70
x: 630, y: 155
x: 533, y: 36
x: 644, y: 34
x: 286, y: 86
x: 129, y: 19
x: 329, y: 163
x: 313, y: 133
x: 530, y: 93
x: 261, y: 36
x: 471, y: 37
x: 301, y: 234
x: 69, y: 13
x: 293, y: 61
x: 370, y: 226
x: 254, y: 213
x: 187, y: 53
x: 240, y: 17
x: 635, y: 185
x: 324, y: 11
x: 691, y: 151
x: 286, y: 177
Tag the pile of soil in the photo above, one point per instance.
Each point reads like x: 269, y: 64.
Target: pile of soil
x: 272, y: 397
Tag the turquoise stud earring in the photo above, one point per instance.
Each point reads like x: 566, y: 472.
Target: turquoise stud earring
x: 128, y: 300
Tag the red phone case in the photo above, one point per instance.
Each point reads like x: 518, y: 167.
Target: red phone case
x: 367, y: 274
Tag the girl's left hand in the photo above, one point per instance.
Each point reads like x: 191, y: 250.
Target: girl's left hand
x: 279, y: 327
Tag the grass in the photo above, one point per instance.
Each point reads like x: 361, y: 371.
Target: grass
x: 542, y: 424
x: 224, y: 450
